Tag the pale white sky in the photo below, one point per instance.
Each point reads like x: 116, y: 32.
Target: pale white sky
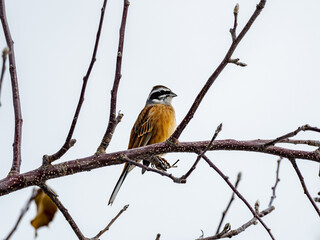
x: 177, y: 44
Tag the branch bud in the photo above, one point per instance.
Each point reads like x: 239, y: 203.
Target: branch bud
x: 236, y: 9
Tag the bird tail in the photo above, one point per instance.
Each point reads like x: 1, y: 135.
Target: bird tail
x: 126, y: 170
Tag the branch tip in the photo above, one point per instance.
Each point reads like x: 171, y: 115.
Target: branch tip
x: 236, y: 9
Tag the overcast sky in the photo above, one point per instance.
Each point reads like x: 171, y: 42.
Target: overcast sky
x: 177, y: 43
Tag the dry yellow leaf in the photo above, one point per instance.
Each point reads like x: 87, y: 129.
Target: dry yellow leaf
x: 46, y: 210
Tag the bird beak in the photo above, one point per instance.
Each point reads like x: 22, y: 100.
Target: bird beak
x: 172, y: 94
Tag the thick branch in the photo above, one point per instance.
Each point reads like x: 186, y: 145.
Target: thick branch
x: 70, y: 142
x: 13, y: 183
x: 16, y: 163
x: 113, y: 120
x: 63, y: 210
x: 217, y: 72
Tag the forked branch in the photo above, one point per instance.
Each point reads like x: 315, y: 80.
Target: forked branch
x: 113, y: 120
x: 217, y: 72
x: 69, y: 141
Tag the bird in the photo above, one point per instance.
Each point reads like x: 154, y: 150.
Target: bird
x: 155, y: 123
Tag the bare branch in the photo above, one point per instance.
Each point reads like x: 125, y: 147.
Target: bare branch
x: 276, y: 183
x: 216, y: 73
x: 305, y: 189
x: 23, y: 212
x: 113, y: 120
x: 235, y: 23
x: 33, y: 177
x: 69, y: 141
x: 5, y: 53
x: 16, y: 163
x: 111, y: 222
x: 237, y: 62
x: 229, y: 204
x: 313, y: 143
x: 225, y: 178
x: 227, y: 233
x: 63, y: 210
x: 218, y: 130
x: 162, y: 173
x: 291, y: 134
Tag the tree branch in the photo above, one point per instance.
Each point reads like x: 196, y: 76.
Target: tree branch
x: 276, y: 183
x: 228, y: 233
x: 231, y: 233
x: 216, y: 73
x: 23, y: 212
x: 291, y: 134
x: 235, y: 23
x: 113, y: 120
x: 63, y: 210
x: 185, y: 176
x: 111, y: 222
x: 70, y: 142
x: 303, y: 184
x: 16, y: 163
x: 225, y: 178
x: 43, y: 173
x: 229, y: 204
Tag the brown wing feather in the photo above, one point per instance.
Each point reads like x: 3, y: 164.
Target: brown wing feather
x: 142, y: 130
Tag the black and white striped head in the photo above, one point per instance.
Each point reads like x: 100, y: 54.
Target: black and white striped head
x: 160, y: 94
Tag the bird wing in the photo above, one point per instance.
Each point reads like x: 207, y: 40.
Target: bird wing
x: 141, y: 132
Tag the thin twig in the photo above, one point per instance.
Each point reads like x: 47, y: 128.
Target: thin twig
x: 63, y: 210
x: 225, y: 178
x: 227, y: 233
x: 216, y: 73
x: 23, y: 212
x: 218, y: 130
x: 313, y: 143
x: 162, y: 173
x: 16, y: 163
x: 291, y: 134
x: 230, y: 202
x: 235, y: 23
x: 5, y: 53
x: 237, y: 62
x: 276, y: 183
x: 305, y: 189
x: 113, y: 120
x: 111, y: 222
x: 69, y: 141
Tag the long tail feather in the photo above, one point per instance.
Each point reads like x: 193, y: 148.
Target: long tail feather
x: 116, y: 189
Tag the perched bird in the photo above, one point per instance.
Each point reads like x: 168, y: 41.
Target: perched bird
x: 155, y: 123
